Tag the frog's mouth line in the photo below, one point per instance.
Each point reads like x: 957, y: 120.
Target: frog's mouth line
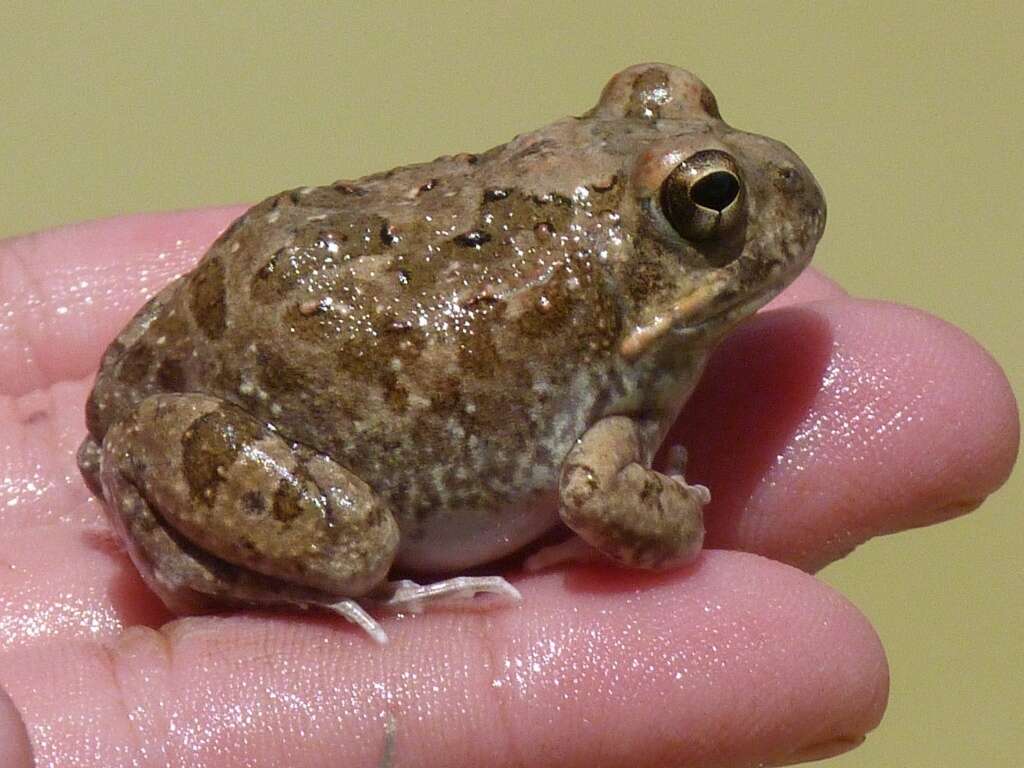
x: 740, y: 307
x: 734, y: 311
x: 674, y: 320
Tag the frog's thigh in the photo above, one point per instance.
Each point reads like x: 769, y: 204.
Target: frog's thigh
x: 187, y: 579
x: 610, y: 497
x: 221, y: 504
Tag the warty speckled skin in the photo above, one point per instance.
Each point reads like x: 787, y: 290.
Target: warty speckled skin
x: 423, y: 368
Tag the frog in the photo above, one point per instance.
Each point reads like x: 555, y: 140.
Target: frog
x: 424, y: 371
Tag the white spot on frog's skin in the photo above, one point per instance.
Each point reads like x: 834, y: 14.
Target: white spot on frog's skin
x: 418, y: 401
x: 273, y: 216
x: 396, y: 364
x: 235, y: 246
x: 317, y: 217
x: 307, y: 190
x: 544, y: 303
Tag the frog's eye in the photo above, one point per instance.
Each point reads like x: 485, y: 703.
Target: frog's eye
x: 703, y: 197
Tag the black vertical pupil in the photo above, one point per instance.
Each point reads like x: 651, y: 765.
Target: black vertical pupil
x: 716, y: 191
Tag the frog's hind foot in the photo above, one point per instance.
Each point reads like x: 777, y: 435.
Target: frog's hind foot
x: 407, y: 596
x: 355, y: 613
x: 458, y: 592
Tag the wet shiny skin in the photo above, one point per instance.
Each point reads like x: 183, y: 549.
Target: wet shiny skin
x: 426, y: 367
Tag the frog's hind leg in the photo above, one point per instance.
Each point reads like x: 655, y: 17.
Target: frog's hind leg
x: 352, y: 611
x: 216, y: 508
x: 457, y: 592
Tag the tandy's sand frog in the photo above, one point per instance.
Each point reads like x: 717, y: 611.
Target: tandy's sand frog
x: 425, y: 369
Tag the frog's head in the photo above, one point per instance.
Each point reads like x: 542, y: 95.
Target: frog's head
x: 739, y: 213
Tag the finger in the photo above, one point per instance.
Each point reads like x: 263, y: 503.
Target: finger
x: 66, y: 292
x: 62, y: 582
x: 735, y: 662
x: 819, y: 427
x: 39, y: 481
x: 810, y: 285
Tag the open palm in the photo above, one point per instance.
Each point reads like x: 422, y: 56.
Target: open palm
x: 824, y: 421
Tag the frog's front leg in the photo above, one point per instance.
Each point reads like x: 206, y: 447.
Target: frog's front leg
x: 615, y: 502
x: 215, y: 504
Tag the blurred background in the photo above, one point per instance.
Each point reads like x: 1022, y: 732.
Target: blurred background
x: 910, y: 116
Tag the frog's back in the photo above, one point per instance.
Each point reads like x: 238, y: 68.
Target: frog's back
x: 443, y: 330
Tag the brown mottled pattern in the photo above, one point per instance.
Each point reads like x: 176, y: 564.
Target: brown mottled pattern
x: 211, y: 442
x: 447, y: 331
x: 209, y: 304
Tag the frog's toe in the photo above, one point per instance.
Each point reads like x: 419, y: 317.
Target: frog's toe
x: 572, y: 551
x: 356, y: 614
x: 699, y: 492
x: 458, y: 592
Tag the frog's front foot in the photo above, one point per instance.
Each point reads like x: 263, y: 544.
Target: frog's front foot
x: 617, y: 504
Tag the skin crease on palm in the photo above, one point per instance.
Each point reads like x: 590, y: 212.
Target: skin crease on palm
x: 851, y: 419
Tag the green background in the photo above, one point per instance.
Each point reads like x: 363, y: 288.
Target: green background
x: 910, y: 115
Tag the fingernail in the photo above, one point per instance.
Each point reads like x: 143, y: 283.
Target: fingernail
x: 15, y: 748
x: 822, y: 750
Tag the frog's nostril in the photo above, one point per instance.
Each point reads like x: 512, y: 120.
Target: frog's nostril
x: 716, y: 190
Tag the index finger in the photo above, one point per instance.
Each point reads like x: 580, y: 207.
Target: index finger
x: 65, y: 293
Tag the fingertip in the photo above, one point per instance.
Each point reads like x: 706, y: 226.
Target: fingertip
x: 820, y: 426
x: 997, y: 440
x: 810, y: 285
x: 15, y: 747
x: 962, y: 414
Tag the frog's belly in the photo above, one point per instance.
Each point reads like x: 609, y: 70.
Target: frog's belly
x: 468, y: 499
x: 466, y: 493
x: 450, y: 541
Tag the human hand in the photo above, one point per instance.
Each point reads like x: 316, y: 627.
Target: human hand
x: 823, y: 422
